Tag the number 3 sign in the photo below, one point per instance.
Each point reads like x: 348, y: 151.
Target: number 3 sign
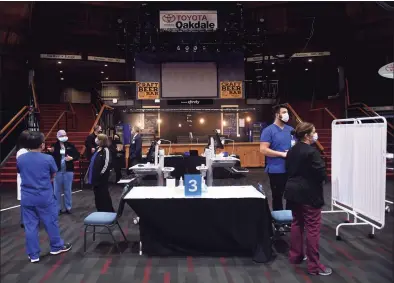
x: 192, y: 185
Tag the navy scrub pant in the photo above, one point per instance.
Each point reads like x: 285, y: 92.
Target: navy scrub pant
x: 48, y: 215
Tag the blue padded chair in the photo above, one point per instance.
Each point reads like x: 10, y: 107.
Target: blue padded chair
x: 107, y: 220
x: 280, y: 219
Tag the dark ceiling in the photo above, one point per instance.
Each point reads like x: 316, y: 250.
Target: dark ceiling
x: 28, y: 29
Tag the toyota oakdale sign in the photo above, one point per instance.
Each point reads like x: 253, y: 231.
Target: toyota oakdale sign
x: 188, y: 21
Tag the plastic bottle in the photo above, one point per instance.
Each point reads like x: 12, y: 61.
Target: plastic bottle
x: 181, y: 182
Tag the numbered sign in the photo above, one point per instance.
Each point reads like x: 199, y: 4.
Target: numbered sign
x: 192, y: 185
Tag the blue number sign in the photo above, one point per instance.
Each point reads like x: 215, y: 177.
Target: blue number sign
x: 192, y: 185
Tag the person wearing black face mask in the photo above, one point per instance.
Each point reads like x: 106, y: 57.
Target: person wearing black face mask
x: 90, y: 143
x: 116, y: 148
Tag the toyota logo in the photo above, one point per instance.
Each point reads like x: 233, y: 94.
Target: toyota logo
x: 168, y: 18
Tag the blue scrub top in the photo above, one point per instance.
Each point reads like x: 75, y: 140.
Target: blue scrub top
x: 36, y: 170
x: 280, y: 140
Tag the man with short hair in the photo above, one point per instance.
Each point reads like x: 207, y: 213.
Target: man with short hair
x: 275, y: 141
x: 90, y: 142
x: 38, y: 201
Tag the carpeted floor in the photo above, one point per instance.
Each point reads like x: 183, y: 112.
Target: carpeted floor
x: 355, y: 259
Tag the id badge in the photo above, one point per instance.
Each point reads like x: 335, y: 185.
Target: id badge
x: 62, y: 151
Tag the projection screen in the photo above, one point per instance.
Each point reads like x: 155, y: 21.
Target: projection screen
x: 189, y: 80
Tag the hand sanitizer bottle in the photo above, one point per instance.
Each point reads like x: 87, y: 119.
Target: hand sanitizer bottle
x: 181, y: 182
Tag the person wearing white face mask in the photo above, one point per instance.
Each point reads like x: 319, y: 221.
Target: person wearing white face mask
x: 275, y: 141
x: 304, y: 189
x: 64, y: 154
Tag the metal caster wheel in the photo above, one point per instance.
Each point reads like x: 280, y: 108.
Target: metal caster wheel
x: 388, y: 209
x: 339, y: 238
x: 136, y: 220
x: 371, y: 236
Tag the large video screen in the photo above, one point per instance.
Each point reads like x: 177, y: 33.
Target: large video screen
x: 189, y: 80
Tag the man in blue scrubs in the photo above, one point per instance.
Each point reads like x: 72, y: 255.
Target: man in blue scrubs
x: 275, y: 141
x: 37, y: 171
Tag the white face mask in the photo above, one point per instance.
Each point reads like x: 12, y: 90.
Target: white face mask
x: 315, y: 137
x: 63, y: 139
x: 285, y: 117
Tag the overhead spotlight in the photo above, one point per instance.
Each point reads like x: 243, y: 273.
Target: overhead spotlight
x: 306, y: 69
x: 105, y: 65
x: 62, y: 79
x: 204, y: 48
x: 107, y: 78
x: 102, y: 72
x: 261, y: 20
x: 195, y: 48
x: 187, y: 48
x: 178, y: 48
x: 273, y: 70
x: 217, y: 50
x: 61, y: 72
x: 273, y: 63
x: 248, y: 119
x: 120, y: 21
x: 202, y: 121
x: 115, y: 100
x: 159, y: 121
x: 59, y: 62
x: 180, y: 125
x: 309, y: 60
x: 224, y: 123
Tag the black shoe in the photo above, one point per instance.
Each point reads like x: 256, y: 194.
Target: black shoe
x: 68, y: 211
x: 22, y: 226
x: 60, y: 212
x: 327, y: 271
x: 66, y: 247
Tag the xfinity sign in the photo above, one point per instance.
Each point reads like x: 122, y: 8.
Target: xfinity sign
x: 188, y: 21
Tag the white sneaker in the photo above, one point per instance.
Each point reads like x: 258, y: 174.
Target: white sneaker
x: 34, y: 260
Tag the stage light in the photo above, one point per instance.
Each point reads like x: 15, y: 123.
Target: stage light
x: 159, y: 121
x: 224, y: 123
x: 105, y: 65
x: 248, y: 119
x: 61, y: 72
x: 273, y: 70
x: 178, y: 48
x: 179, y: 125
x: 195, y: 48
x: 59, y: 62
x: 309, y: 60
x: 306, y: 69
x: 107, y: 78
x: 204, y: 48
x: 202, y: 121
x: 273, y: 63
x: 62, y: 79
x: 187, y: 48
x: 102, y: 72
x: 114, y: 101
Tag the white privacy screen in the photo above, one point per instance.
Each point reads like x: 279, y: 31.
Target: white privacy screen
x: 189, y: 80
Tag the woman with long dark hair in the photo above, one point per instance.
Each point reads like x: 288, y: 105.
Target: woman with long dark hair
x: 304, y: 190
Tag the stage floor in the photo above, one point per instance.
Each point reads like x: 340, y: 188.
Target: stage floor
x: 355, y: 259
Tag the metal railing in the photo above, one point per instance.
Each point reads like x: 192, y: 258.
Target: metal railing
x: 323, y: 113
x: 299, y: 120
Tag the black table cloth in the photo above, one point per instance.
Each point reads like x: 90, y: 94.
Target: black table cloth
x: 203, y: 226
